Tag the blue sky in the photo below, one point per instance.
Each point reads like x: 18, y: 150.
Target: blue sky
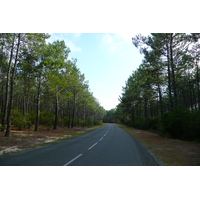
x: 106, y: 60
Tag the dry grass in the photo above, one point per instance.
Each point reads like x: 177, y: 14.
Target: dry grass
x: 172, y: 152
x: 26, y: 139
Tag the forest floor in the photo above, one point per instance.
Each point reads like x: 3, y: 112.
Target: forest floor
x: 171, y: 152
x: 20, y: 141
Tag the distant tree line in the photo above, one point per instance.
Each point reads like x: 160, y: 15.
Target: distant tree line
x: 110, y: 116
x: 163, y: 94
x: 40, y: 85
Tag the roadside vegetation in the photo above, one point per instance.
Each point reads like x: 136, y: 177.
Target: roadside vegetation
x: 163, y: 94
x: 40, y: 85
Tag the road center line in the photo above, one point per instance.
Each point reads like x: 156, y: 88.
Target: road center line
x: 108, y: 130
x: 101, y: 139
x: 92, y: 146
x: 73, y: 159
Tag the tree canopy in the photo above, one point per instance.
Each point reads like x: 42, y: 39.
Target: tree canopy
x: 40, y: 85
x: 163, y: 93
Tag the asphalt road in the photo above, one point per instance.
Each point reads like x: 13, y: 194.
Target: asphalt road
x: 106, y: 146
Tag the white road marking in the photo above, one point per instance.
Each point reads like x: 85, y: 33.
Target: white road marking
x: 108, y: 129
x: 73, y: 159
x: 92, y: 146
x: 88, y: 149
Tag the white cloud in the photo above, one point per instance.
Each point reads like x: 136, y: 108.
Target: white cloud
x: 69, y: 38
x: 72, y: 46
x: 77, y: 35
x: 98, y: 85
x: 116, y: 41
x: 108, y: 102
x: 111, y: 41
x: 108, y: 39
x: 126, y: 36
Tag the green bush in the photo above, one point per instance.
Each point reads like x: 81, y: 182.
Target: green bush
x: 19, y: 120
x: 98, y: 122
x: 194, y: 125
x: 154, y: 123
x: 181, y: 123
x: 31, y: 116
x: 81, y: 122
x: 47, y: 118
x: 65, y: 121
x: 140, y: 122
x: 89, y: 122
x: 176, y: 123
x: 129, y: 123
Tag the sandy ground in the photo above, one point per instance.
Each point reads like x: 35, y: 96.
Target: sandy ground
x: 23, y: 140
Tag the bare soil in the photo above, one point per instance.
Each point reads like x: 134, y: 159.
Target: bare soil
x: 24, y: 140
x: 172, y: 152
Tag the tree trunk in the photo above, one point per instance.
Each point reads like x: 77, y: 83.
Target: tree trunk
x: 190, y: 95
x: 173, y: 73
x: 5, y: 110
x: 56, y: 112
x: 133, y: 112
x: 12, y: 90
x: 2, y: 95
x: 146, y: 111
x: 198, y: 89
x: 94, y: 119
x: 160, y: 98
x: 24, y: 103
x: 38, y: 107
x: 169, y: 79
x: 69, y: 113
x: 84, y: 110
x: 74, y: 109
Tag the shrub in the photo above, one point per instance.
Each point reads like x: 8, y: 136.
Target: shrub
x: 81, y: 122
x: 140, y: 122
x: 98, y: 122
x: 89, y: 122
x: 31, y: 116
x: 176, y: 123
x: 46, y: 118
x: 19, y: 120
x: 154, y: 123
x: 66, y: 121
x: 195, y: 125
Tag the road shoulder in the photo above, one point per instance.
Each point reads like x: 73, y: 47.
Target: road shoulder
x: 167, y: 151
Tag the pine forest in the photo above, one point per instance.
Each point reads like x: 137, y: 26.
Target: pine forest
x: 40, y: 85
x: 163, y: 94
